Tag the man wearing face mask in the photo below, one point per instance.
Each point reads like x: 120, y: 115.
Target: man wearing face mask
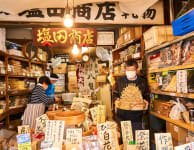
x: 122, y: 82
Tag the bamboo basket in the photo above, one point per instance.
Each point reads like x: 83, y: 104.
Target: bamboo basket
x: 130, y: 105
x: 70, y: 117
x: 51, y: 114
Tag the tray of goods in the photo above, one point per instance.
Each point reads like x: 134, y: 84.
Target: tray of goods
x: 131, y: 99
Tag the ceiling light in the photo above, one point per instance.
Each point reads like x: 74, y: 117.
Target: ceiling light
x: 68, y: 21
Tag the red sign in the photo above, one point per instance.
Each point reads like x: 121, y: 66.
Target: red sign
x: 62, y: 37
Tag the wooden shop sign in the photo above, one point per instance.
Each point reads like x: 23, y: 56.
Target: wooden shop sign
x: 63, y: 37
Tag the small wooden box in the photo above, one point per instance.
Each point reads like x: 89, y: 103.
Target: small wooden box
x: 157, y: 35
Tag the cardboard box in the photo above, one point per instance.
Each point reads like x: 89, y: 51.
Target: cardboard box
x: 179, y: 134
x: 120, y: 40
x: 129, y: 35
x: 60, y: 69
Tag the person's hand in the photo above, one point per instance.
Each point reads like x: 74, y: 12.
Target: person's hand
x: 146, y: 104
x: 57, y: 99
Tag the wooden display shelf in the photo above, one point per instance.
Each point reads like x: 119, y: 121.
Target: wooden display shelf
x: 186, y: 95
x: 2, y: 75
x: 18, y: 58
x: 126, y: 44
x: 2, y: 53
x: 20, y: 76
x: 177, y: 122
x: 172, y: 68
x: 129, y: 57
x: 119, y: 75
x: 1, y: 96
x: 14, y: 110
x: 169, y: 43
x: 38, y: 62
x: 18, y: 92
x: 3, y: 116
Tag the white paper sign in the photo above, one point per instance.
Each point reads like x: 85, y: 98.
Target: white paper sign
x: 108, y: 135
x: 142, y: 139
x: 93, y: 112
x: 189, y: 146
x: 74, y: 136
x: 101, y: 114
x: 41, y: 121
x: 23, y: 129
x: 127, y: 133
x: 163, y: 141
x: 55, y: 132
x: 182, y: 81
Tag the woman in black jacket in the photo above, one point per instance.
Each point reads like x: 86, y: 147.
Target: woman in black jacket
x: 36, y: 102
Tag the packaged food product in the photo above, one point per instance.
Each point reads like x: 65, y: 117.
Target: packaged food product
x: 187, y: 55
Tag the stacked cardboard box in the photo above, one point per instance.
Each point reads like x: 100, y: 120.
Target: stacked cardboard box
x: 179, y: 134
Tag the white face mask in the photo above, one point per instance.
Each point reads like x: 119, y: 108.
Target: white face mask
x: 130, y: 74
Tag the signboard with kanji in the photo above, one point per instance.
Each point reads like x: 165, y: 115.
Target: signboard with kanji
x: 62, y: 37
x: 89, y: 13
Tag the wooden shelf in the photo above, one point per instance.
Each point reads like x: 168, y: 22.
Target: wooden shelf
x: 186, y: 95
x: 18, y: 58
x: 169, y: 43
x: 2, y: 53
x: 18, y: 92
x: 3, y: 116
x: 20, y: 76
x: 119, y: 75
x: 172, y: 68
x: 38, y: 62
x: 2, y: 75
x: 15, y: 110
x: 1, y: 96
x: 128, y: 57
x: 126, y: 44
x: 177, y: 122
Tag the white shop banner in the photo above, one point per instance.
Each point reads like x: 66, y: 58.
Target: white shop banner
x: 98, y: 13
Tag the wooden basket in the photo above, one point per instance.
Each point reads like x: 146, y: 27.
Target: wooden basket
x: 51, y: 114
x: 130, y: 105
x: 70, y: 117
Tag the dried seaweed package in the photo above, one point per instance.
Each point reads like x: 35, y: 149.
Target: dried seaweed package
x: 166, y: 57
x: 176, y: 53
x: 188, y: 52
x: 168, y: 81
x: 190, y: 81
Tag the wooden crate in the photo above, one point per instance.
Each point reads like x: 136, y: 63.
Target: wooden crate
x: 157, y: 35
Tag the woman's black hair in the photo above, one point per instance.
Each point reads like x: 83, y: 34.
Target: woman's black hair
x: 54, y: 76
x: 131, y: 62
x: 44, y: 79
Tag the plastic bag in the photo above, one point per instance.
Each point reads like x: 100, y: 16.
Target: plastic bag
x: 176, y: 110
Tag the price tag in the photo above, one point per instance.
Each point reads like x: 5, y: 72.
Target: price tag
x: 23, y: 129
x: 24, y: 142
x: 163, y: 141
x: 127, y: 133
x: 93, y: 112
x: 101, y: 114
x: 73, y: 138
x: 165, y: 73
x: 41, y: 121
x: 142, y: 139
x: 189, y: 146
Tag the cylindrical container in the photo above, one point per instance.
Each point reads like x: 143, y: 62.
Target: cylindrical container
x: 191, y: 116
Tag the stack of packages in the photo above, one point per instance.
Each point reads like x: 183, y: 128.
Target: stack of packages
x: 131, y: 99
x: 17, y: 67
x: 2, y: 39
x: 127, y: 34
x: 154, y: 61
x: 72, y: 79
x: 2, y: 106
x: 16, y: 84
x: 36, y: 70
x: 60, y: 84
x: 20, y: 100
x: 2, y: 87
x: 42, y: 55
x: 2, y: 67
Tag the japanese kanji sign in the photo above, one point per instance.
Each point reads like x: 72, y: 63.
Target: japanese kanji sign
x: 23, y: 129
x: 163, y: 141
x: 142, y: 139
x: 94, y: 112
x: 104, y: 13
x: 64, y: 37
x: 24, y: 142
x: 101, y: 114
x: 127, y: 134
x: 41, y: 122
